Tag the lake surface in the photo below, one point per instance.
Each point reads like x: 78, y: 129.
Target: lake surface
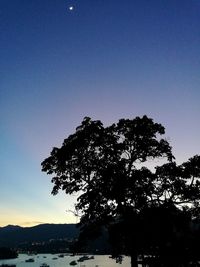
x: 98, y: 261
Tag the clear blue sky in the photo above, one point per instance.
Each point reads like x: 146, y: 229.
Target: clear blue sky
x: 107, y: 59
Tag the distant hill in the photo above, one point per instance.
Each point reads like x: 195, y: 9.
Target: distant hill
x: 13, y: 235
x: 10, y: 227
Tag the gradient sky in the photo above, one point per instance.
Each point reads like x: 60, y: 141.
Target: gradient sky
x: 106, y: 59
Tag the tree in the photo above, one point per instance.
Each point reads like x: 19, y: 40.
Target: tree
x: 107, y: 166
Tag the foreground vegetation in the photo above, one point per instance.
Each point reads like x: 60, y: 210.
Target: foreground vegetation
x: 147, y: 211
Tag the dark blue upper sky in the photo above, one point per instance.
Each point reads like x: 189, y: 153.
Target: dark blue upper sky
x: 106, y: 59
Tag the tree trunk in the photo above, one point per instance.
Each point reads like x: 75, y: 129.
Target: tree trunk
x: 134, y: 260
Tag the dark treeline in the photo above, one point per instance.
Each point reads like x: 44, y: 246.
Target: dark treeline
x: 7, y: 253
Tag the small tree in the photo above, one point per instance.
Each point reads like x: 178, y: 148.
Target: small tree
x: 106, y: 165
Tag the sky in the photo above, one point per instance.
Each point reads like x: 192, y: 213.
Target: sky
x: 106, y: 59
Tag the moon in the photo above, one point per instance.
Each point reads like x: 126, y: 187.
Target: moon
x: 71, y: 8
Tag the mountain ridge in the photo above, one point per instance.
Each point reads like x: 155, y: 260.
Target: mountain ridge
x: 13, y: 235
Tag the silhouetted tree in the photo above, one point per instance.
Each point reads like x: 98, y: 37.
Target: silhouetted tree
x: 141, y: 207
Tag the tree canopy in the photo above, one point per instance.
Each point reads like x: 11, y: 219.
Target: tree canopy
x: 108, y: 167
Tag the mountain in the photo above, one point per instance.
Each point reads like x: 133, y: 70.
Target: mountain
x: 9, y: 228
x: 13, y: 235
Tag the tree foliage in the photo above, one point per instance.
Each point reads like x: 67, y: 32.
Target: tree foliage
x: 107, y: 166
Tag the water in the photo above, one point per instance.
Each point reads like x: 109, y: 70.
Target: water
x: 98, y: 261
